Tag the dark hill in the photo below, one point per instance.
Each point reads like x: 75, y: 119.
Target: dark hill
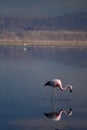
x: 76, y: 22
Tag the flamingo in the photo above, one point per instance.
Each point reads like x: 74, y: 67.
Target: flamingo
x: 56, y: 116
x: 57, y: 83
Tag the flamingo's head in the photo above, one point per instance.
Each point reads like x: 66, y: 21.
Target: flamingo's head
x: 70, y: 91
x: 70, y: 88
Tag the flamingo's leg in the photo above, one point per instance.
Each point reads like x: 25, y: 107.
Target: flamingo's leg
x: 55, y: 92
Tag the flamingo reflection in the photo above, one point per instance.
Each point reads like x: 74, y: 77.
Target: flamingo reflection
x: 56, y: 115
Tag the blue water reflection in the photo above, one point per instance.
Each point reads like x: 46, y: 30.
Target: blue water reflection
x: 23, y: 99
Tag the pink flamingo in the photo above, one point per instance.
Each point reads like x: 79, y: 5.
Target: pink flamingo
x: 56, y: 116
x: 57, y: 83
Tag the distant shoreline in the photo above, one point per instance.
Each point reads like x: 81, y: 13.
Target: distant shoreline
x: 44, y: 43
x: 45, y: 38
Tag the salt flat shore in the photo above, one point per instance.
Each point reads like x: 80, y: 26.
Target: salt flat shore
x: 41, y: 43
x: 45, y: 38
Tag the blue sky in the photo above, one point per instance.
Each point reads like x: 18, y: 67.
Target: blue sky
x: 36, y: 8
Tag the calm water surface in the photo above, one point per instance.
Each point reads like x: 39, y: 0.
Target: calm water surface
x: 25, y: 104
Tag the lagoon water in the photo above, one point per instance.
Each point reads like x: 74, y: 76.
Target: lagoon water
x: 25, y: 102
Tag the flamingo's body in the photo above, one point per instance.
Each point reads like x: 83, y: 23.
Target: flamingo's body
x: 56, y: 116
x: 57, y: 83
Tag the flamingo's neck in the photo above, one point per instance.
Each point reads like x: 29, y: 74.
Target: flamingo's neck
x: 65, y: 112
x: 64, y: 88
x: 69, y: 113
x: 58, y: 115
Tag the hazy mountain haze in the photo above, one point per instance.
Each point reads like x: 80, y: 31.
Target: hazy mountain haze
x: 36, y: 8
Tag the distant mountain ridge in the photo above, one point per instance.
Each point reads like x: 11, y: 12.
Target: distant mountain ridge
x: 72, y: 22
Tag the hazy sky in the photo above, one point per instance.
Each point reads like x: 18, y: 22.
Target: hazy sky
x: 41, y: 7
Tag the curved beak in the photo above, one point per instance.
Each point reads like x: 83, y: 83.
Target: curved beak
x: 70, y: 91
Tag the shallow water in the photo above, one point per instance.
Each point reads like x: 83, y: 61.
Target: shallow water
x: 25, y: 102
